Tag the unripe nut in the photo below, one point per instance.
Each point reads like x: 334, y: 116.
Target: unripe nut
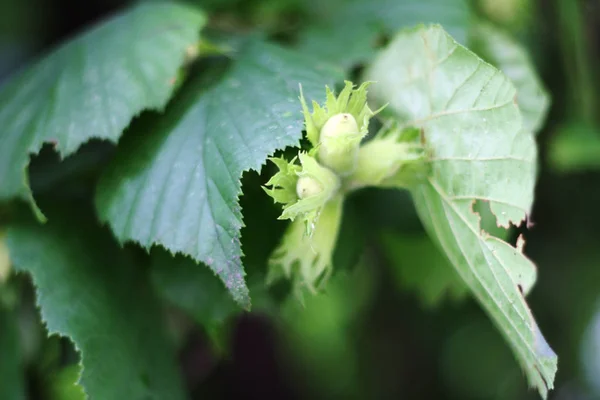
x: 307, y: 187
x: 340, y: 139
x: 339, y: 124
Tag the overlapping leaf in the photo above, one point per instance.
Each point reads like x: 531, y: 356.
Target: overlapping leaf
x: 193, y: 288
x: 478, y: 152
x: 501, y: 50
x: 176, y: 180
x: 92, y: 86
x: 349, y: 32
x: 92, y: 293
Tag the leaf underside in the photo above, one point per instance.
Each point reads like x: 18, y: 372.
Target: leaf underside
x: 90, y: 292
x: 478, y: 152
x: 176, y: 179
x: 92, y: 86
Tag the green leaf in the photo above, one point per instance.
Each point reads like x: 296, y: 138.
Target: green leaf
x: 349, y: 33
x: 342, y: 44
x: 92, y: 86
x: 176, y: 180
x: 420, y: 267
x: 478, y: 151
x: 64, y: 384
x: 12, y: 372
x: 501, y: 50
x: 90, y: 291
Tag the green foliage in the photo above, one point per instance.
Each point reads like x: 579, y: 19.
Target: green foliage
x: 321, y: 335
x: 576, y: 147
x: 469, y: 374
x: 64, y: 384
x: 192, y: 288
x: 419, y: 266
x: 190, y: 120
x: 92, y: 86
x: 478, y: 151
x: 98, y: 297
x: 575, y: 144
x: 350, y: 33
x: 175, y: 180
x: 11, y: 363
x: 510, y: 57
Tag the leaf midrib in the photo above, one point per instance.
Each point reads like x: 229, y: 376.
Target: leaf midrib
x: 524, y: 343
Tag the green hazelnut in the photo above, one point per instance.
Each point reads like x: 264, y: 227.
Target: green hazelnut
x: 307, y: 187
x: 338, y: 125
x: 339, y: 142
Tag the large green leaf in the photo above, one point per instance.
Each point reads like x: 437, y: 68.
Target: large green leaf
x: 348, y: 33
x: 93, y: 293
x: 478, y: 152
x: 175, y: 181
x: 12, y: 371
x: 92, y: 86
x: 501, y: 50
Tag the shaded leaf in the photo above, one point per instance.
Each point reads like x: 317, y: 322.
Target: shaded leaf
x: 349, y: 34
x: 176, y: 180
x: 90, y: 291
x: 342, y: 44
x: 92, y: 86
x: 64, y: 384
x: 478, y: 151
x: 194, y: 288
x: 503, y: 51
x: 420, y: 267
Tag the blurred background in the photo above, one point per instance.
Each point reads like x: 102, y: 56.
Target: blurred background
x: 392, y: 323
